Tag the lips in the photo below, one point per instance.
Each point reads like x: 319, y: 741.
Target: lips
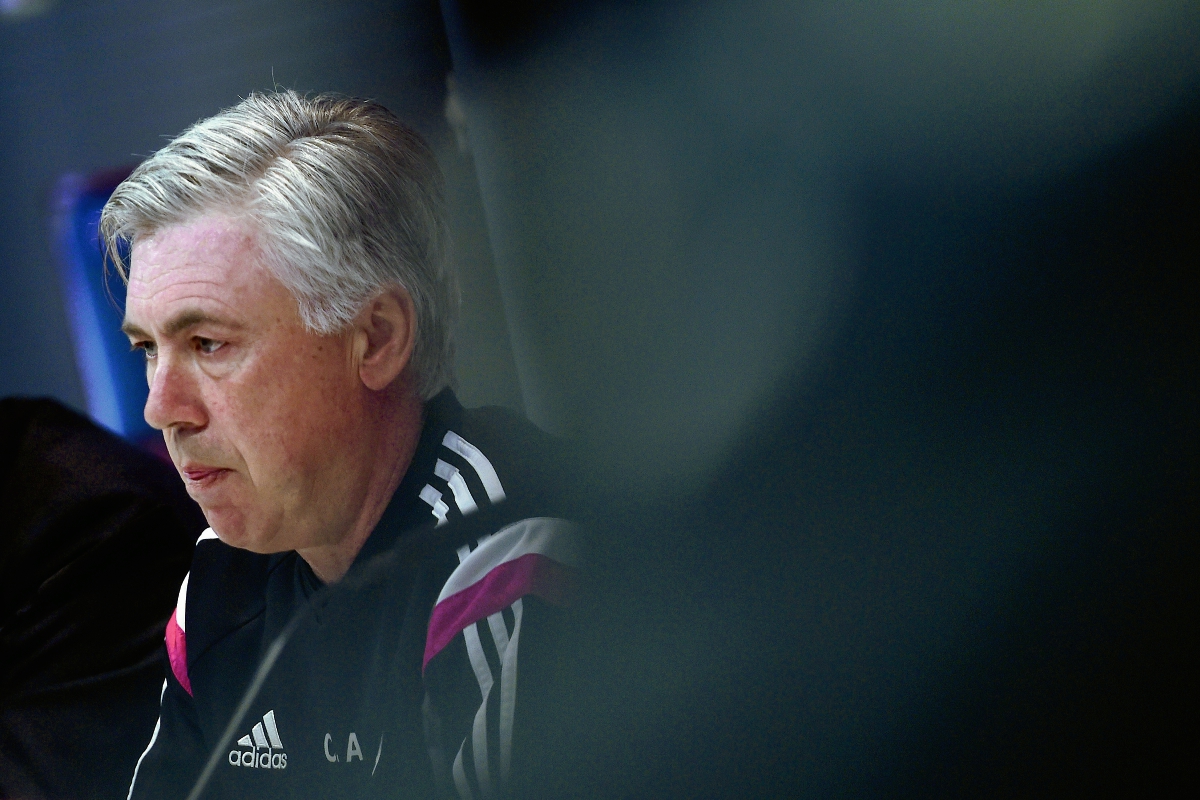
x: 202, y: 476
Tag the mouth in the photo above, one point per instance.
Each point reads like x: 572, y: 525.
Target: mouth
x: 201, y: 477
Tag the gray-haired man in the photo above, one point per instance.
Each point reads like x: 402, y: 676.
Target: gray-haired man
x: 289, y: 288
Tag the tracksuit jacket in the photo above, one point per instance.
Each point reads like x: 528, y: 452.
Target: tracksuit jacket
x: 406, y: 678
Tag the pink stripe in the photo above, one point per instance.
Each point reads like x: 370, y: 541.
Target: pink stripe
x: 532, y: 573
x: 177, y: 652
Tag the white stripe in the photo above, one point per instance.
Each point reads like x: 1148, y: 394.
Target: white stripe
x: 260, y: 737
x: 462, y: 494
x: 499, y: 632
x: 460, y: 777
x: 479, y: 751
x: 548, y: 536
x: 378, y: 753
x: 181, y: 604
x: 478, y: 461
x: 508, y: 692
x: 434, y: 498
x: 483, y: 674
x: 209, y: 533
x: 153, y: 738
x: 272, y: 731
x: 495, y: 621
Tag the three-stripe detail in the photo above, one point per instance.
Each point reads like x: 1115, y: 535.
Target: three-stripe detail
x: 466, y: 504
x: 478, y: 753
x: 459, y: 491
x: 264, y: 734
x: 483, y: 599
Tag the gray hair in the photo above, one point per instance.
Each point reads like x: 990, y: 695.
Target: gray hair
x: 347, y: 199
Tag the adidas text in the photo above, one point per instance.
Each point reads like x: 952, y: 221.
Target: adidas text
x: 252, y: 758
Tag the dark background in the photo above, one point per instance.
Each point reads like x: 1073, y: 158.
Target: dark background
x: 876, y: 323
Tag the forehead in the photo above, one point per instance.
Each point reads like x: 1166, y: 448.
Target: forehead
x: 213, y: 262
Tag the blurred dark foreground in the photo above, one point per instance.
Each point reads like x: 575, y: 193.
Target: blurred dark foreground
x: 960, y: 558
x: 881, y: 327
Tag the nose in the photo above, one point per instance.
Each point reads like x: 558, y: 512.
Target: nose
x: 174, y: 401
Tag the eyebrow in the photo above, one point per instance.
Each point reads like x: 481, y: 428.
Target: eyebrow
x: 180, y: 322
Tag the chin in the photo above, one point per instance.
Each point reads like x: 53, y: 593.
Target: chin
x: 233, y: 530
x: 232, y: 537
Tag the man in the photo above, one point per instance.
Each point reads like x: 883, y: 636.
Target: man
x: 288, y: 286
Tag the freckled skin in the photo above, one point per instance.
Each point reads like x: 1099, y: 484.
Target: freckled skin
x: 311, y: 453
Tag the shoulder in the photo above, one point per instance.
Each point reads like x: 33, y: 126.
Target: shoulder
x: 505, y: 487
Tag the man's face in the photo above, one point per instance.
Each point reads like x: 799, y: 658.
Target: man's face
x: 261, y: 417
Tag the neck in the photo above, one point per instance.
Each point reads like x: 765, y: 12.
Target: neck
x: 400, y: 435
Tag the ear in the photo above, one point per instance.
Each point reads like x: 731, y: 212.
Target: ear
x: 385, y: 332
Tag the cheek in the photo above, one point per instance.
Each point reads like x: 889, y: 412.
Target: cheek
x: 301, y: 415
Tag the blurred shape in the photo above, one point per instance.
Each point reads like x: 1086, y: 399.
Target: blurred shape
x: 114, y: 377
x: 668, y: 186
x: 930, y: 266
x: 456, y: 117
x: 95, y: 537
x: 656, y: 287
x: 960, y: 560
x: 971, y: 92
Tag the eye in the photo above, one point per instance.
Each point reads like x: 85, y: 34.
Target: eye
x: 149, y: 349
x: 208, y: 346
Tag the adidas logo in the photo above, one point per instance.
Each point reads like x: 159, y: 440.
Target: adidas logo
x: 266, y: 748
